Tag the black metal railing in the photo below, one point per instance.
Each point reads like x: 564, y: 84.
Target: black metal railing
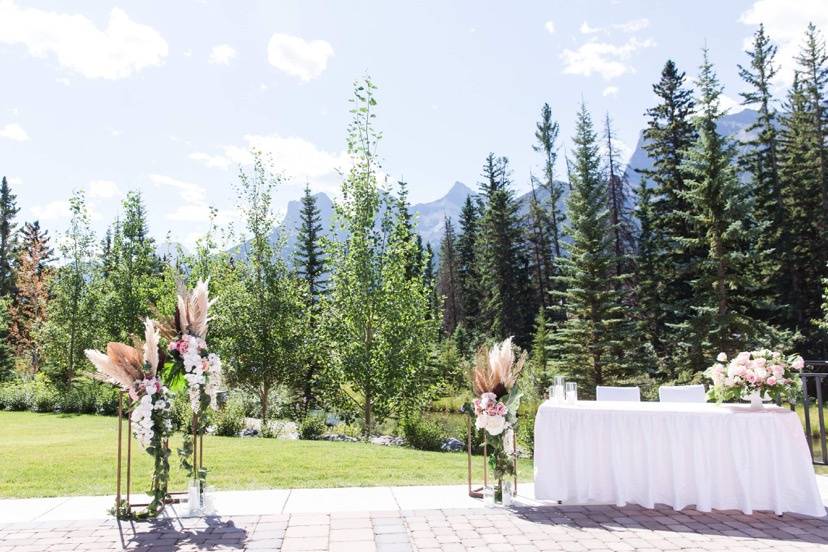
x: 813, y: 392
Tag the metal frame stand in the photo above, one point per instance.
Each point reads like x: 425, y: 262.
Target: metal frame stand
x: 478, y: 492
x: 172, y: 497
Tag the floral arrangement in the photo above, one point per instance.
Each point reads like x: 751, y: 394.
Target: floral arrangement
x: 495, y: 373
x: 756, y: 373
x: 135, y: 371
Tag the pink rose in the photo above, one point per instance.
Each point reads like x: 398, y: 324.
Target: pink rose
x: 778, y: 371
x: 183, y: 346
x: 750, y: 377
x: 798, y: 363
x: 173, y: 345
x: 771, y: 381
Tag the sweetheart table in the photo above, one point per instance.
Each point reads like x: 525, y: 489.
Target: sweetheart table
x: 710, y: 456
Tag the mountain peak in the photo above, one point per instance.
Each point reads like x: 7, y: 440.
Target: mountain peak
x: 458, y: 192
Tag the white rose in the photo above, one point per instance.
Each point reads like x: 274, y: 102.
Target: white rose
x: 481, y: 421
x: 798, y: 363
x: 722, y: 357
x: 495, y: 424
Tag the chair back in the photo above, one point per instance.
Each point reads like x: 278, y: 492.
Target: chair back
x: 606, y: 393
x: 682, y: 393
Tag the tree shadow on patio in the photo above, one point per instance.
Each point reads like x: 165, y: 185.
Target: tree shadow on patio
x: 195, y: 533
x: 647, y: 528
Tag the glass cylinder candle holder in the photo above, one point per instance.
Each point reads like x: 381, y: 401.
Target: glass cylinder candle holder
x: 571, y: 392
x: 558, y: 386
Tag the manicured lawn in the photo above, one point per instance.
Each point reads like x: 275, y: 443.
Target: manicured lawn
x: 59, y: 455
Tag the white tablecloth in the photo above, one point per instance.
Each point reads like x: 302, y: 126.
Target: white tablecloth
x: 680, y: 454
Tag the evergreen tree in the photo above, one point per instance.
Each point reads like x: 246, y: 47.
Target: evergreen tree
x: 8, y: 243
x: 448, y: 286
x: 28, y: 310
x: 541, y: 265
x: 546, y: 134
x: 584, y: 344
x: 134, y: 278
x: 618, y: 203
x: 804, y: 258
x: 760, y: 161
x: 724, y: 289
x: 467, y: 264
x: 503, y: 265
x: 669, y: 133
x: 309, y: 259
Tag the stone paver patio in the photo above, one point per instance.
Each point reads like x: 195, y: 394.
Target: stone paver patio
x: 399, y: 519
x: 571, y: 528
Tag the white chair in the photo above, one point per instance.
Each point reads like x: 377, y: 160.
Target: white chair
x: 629, y: 394
x: 682, y: 393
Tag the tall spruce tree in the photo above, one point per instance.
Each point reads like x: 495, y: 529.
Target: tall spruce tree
x: 467, y: 264
x: 724, y: 291
x: 546, y: 134
x: 669, y: 133
x: 8, y: 242
x: 618, y: 202
x: 309, y: 258
x: 760, y: 161
x: 804, y: 260
x: 502, y: 261
x: 541, y: 261
x: 448, y: 283
x: 584, y: 345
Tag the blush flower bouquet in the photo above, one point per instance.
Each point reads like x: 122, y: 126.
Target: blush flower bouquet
x: 495, y: 410
x: 755, y: 374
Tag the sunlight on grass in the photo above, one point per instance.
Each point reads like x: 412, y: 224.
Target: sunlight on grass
x: 58, y: 455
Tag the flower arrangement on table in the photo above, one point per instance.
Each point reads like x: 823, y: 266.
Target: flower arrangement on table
x: 136, y: 372
x: 194, y: 366
x: 755, y: 374
x: 495, y: 410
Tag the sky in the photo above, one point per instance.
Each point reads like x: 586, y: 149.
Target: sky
x: 167, y: 98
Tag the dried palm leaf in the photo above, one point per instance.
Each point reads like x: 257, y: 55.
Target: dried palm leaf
x: 151, y: 339
x: 165, y: 324
x: 127, y: 358
x: 495, y: 369
x: 197, y: 309
x: 108, y: 370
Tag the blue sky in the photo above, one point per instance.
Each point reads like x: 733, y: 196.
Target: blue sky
x: 167, y: 97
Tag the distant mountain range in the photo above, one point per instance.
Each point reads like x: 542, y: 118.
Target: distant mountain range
x: 430, y: 215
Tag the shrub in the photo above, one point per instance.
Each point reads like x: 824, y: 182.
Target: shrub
x: 229, y: 421
x: 13, y: 395
x: 106, y: 399
x: 312, y: 426
x: 80, y: 397
x: 41, y: 396
x: 182, y: 412
x: 422, y: 434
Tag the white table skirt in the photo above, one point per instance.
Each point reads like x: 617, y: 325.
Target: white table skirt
x: 680, y: 454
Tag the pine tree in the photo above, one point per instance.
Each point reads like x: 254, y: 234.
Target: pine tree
x: 804, y: 258
x: 503, y: 265
x: 724, y: 290
x: 8, y: 243
x: 541, y: 265
x: 669, y: 133
x: 309, y: 259
x: 467, y: 264
x: 584, y: 344
x: 448, y: 286
x: 618, y: 203
x: 546, y: 134
x: 28, y: 310
x: 760, y: 160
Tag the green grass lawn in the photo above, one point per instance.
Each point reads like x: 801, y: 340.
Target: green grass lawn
x: 58, y: 455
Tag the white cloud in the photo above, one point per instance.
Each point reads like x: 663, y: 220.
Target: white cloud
x: 550, y: 26
x: 54, y: 210
x: 300, y: 160
x: 785, y: 24
x: 586, y: 29
x: 610, y: 91
x: 15, y: 132
x: 222, y: 54
x: 122, y: 48
x: 608, y: 60
x: 306, y: 59
x: 191, y: 205
x: 104, y: 189
x: 633, y: 25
